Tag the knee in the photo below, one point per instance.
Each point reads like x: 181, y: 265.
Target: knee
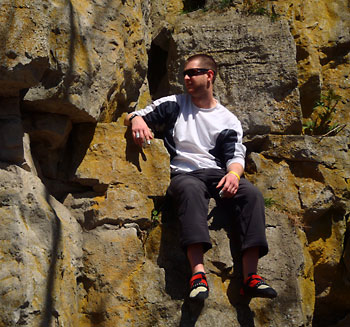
x: 254, y: 195
x: 185, y: 185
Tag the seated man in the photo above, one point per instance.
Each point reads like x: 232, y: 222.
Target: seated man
x: 204, y: 140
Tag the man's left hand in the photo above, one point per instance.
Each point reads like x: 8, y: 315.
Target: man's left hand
x: 229, y: 184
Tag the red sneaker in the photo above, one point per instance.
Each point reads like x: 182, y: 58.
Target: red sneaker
x: 199, y: 289
x: 255, y: 286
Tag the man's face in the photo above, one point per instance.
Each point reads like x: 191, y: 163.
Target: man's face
x: 198, y: 83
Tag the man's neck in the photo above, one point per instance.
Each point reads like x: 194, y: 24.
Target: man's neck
x: 204, y: 102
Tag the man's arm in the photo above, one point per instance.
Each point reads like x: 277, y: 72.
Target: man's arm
x: 230, y: 181
x: 139, y: 128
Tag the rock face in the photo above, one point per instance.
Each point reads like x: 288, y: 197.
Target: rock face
x: 256, y: 78
x: 120, y: 175
x: 41, y: 254
x: 322, y: 38
x: 73, y: 56
x: 88, y: 237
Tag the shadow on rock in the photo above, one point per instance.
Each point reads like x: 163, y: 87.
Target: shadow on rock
x: 177, y: 271
x: 173, y: 260
x: 245, y: 316
x: 190, y: 311
x: 132, y: 151
x: 220, y: 218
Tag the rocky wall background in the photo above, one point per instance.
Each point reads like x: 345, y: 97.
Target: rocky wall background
x: 87, y: 237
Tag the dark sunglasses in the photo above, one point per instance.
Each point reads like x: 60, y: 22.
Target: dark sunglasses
x: 195, y: 71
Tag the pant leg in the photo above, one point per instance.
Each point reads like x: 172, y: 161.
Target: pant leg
x: 191, y: 198
x: 248, y: 209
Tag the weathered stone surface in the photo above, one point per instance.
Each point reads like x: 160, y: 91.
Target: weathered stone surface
x: 41, y: 251
x: 112, y: 147
x: 48, y: 134
x: 128, y: 178
x: 151, y: 280
x: 118, y: 270
x: 73, y: 55
x: 163, y: 15
x: 29, y: 164
x: 322, y: 36
x: 112, y: 256
x: 257, y: 77
x: 78, y: 62
x: 302, y: 173
x: 287, y: 259
x: 308, y: 177
x: 326, y: 246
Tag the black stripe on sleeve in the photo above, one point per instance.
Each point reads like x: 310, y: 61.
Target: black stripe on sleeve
x: 225, y: 147
x: 162, y: 121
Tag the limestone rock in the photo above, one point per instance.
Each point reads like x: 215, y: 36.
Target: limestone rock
x: 322, y: 36
x: 48, y: 134
x: 257, y: 77
x: 112, y: 256
x: 151, y: 280
x: 305, y: 174
x: 163, y: 15
x: 113, y: 158
x: 135, y: 280
x: 307, y: 177
x: 73, y: 56
x: 41, y: 252
x: 64, y: 65
x: 128, y: 179
x: 285, y: 260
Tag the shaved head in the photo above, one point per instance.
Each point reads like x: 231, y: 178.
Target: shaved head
x: 205, y: 60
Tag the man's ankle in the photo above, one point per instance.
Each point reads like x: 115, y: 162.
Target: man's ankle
x: 198, y: 268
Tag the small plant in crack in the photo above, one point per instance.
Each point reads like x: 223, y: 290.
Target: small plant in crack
x: 225, y: 4
x: 269, y: 202
x: 155, y: 216
x: 321, y: 120
x: 260, y: 8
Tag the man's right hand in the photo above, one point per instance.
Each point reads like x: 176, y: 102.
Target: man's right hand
x: 140, y: 131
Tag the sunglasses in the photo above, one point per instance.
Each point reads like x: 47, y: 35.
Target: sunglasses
x: 195, y: 71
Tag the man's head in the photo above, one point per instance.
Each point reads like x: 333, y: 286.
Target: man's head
x: 199, y: 75
x: 204, y: 62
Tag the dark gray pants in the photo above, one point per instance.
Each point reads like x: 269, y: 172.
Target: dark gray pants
x: 191, y: 193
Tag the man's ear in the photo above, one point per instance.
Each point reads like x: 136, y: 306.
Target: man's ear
x: 211, y: 75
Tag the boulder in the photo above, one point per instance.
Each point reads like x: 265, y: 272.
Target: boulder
x: 128, y: 180
x: 73, y: 56
x: 41, y: 254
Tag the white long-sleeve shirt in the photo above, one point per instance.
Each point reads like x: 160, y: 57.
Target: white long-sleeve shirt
x: 196, y: 138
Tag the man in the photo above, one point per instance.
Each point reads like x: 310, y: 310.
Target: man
x: 207, y: 159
